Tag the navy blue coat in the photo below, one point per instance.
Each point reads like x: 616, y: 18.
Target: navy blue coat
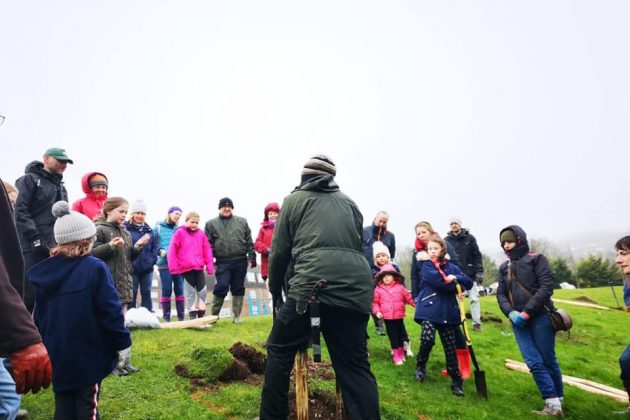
x: 437, y: 301
x: 80, y: 318
x: 416, y: 268
x: 147, y: 258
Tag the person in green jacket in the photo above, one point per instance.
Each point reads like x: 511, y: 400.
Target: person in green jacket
x: 318, y: 236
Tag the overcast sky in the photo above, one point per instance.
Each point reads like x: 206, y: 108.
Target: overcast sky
x: 499, y: 112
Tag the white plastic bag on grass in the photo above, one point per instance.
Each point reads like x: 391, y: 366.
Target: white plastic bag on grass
x: 141, y: 318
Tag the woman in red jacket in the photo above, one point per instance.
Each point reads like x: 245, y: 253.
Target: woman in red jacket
x: 263, y: 241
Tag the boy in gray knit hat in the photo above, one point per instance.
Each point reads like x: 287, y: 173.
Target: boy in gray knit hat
x: 78, y: 314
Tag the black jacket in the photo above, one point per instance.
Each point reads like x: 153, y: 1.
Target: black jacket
x: 374, y: 233
x: 468, y: 252
x: 531, y: 285
x: 38, y: 191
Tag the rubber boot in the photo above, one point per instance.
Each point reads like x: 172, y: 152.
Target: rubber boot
x: 407, y: 347
x: 119, y: 369
x: 128, y: 366
x: 626, y: 412
x: 217, y: 303
x: 237, y: 307
x: 421, y: 361
x: 399, y: 356
x: 181, y: 312
x: 166, y: 310
x: 420, y: 373
x: 457, y: 388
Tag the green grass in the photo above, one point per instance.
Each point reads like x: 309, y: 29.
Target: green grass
x: 596, y: 341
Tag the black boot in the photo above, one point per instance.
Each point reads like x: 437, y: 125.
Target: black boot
x: 421, y: 372
x: 166, y: 310
x: 457, y: 388
x: 179, y: 304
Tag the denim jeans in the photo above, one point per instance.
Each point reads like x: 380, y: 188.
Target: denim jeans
x: 624, y: 363
x: 230, y: 276
x: 143, y: 280
x: 169, y: 282
x: 9, y: 399
x: 537, y: 342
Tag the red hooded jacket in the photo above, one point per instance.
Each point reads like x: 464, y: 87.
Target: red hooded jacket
x: 92, y: 204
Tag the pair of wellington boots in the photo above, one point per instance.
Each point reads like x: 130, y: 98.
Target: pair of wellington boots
x: 123, y: 366
x: 166, y: 310
x: 237, y: 307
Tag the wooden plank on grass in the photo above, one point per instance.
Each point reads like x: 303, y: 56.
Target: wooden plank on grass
x: 191, y: 323
x: 584, y: 384
x: 584, y: 304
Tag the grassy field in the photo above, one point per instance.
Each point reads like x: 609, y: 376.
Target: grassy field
x: 591, y: 351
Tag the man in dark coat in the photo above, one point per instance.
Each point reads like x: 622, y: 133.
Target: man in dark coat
x: 40, y: 187
x: 20, y: 341
x: 318, y: 236
x: 470, y: 262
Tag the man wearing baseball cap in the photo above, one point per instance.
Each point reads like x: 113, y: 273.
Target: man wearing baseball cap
x: 40, y: 187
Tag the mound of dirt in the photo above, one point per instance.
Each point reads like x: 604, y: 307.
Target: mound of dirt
x: 252, y: 358
x: 236, y: 371
x: 204, y: 365
x: 586, y: 299
x: 322, y: 371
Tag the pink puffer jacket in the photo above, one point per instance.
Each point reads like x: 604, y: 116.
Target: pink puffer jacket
x: 390, y: 300
x: 189, y: 250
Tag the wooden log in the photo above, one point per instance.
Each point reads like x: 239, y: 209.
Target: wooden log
x: 191, y: 323
x: 584, y: 384
x: 584, y: 304
x: 301, y: 385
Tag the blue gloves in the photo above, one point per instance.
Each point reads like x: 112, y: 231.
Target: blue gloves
x: 517, y: 319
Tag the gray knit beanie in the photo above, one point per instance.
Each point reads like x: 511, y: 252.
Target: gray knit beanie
x: 319, y: 165
x: 71, y: 226
x: 138, y: 206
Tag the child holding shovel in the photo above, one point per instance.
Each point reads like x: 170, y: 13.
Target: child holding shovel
x: 390, y: 297
x: 437, y: 304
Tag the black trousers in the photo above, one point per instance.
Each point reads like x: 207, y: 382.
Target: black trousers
x: 396, y: 332
x: 78, y: 404
x: 345, y: 337
x: 195, y: 278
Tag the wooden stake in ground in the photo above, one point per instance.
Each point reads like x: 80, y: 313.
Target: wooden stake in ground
x: 584, y: 384
x: 301, y: 385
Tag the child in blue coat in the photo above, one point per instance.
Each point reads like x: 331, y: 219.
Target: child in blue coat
x: 437, y: 305
x: 78, y: 314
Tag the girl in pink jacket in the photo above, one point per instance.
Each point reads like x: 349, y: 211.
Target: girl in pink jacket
x: 188, y: 254
x: 390, y: 297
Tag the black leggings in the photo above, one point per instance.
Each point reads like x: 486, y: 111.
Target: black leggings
x: 448, y: 336
x: 396, y: 332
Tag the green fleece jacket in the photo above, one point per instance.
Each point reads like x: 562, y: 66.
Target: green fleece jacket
x: 318, y: 235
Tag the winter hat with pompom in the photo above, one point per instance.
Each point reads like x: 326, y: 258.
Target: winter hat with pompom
x: 71, y: 226
x: 379, y: 248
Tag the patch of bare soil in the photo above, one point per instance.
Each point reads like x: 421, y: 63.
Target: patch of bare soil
x: 236, y: 371
x: 251, y: 357
x: 321, y: 405
x: 586, y: 299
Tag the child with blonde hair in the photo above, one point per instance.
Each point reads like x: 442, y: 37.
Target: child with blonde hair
x: 78, y: 314
x: 188, y: 254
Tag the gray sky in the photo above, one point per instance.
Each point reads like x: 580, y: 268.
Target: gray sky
x: 499, y: 112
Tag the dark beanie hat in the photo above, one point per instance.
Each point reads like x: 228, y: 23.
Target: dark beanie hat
x: 319, y: 165
x: 508, y: 235
x: 97, y: 179
x: 226, y: 201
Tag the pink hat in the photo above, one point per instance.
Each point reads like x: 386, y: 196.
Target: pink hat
x: 389, y: 269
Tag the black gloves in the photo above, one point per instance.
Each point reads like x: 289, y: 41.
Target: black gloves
x: 40, y: 251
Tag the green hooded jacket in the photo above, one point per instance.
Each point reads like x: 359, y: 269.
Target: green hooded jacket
x: 318, y: 235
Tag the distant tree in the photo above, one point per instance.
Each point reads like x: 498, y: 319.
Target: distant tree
x: 545, y: 247
x: 595, y: 270
x: 490, y: 270
x: 561, y: 272
x: 403, y: 261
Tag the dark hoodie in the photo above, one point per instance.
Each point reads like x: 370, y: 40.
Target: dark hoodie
x: 530, y: 286
x: 39, y: 190
x: 79, y: 316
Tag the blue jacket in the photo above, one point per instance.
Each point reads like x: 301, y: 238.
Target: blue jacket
x: 145, y: 261
x: 437, y: 301
x: 80, y: 318
x: 416, y: 268
x: 164, y: 234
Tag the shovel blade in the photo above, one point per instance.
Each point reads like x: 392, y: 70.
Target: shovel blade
x: 480, y: 383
